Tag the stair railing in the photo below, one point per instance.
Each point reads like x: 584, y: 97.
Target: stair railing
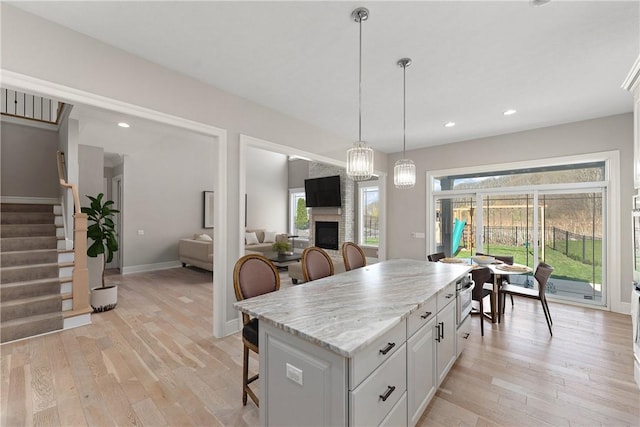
x: 80, y: 275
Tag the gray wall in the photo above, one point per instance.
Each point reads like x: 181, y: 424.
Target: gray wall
x: 163, y: 188
x: 267, y: 192
x: 406, y: 209
x: 298, y: 172
x: 28, y: 161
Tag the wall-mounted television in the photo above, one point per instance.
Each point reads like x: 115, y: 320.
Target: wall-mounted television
x: 323, y: 192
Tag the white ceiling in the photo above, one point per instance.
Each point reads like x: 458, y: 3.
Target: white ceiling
x: 558, y: 63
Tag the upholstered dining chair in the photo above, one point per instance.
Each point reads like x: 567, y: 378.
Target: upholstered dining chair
x: 353, y: 256
x: 481, y: 276
x: 253, y: 275
x: 436, y: 257
x: 316, y: 264
x: 542, y: 274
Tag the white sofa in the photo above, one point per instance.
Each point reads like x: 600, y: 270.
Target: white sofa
x: 197, y: 251
x: 262, y: 246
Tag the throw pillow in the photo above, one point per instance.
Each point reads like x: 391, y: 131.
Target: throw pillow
x: 269, y: 237
x: 251, y: 238
x: 204, y: 238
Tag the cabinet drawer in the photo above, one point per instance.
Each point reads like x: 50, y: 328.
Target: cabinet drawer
x: 398, y: 415
x: 421, y: 316
x: 366, y: 361
x: 367, y: 407
x: 446, y: 295
x: 464, y: 331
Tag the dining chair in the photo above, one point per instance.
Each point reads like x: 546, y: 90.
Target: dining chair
x: 481, y: 276
x: 316, y: 264
x: 542, y: 274
x: 435, y: 257
x: 507, y: 259
x: 253, y: 275
x: 353, y: 256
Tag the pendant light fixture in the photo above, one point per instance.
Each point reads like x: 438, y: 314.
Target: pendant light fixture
x: 360, y: 156
x: 404, y: 172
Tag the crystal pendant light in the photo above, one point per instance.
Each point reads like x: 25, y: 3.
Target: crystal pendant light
x: 404, y: 172
x: 360, y: 156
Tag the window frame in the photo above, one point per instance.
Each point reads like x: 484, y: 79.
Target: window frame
x: 610, y: 184
x: 362, y: 188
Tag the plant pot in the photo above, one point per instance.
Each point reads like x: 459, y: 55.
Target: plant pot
x: 104, y: 299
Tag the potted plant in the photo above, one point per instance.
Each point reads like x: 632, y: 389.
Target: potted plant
x: 281, y: 247
x: 101, y: 231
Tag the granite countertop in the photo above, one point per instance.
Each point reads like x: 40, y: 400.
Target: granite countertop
x: 346, y: 312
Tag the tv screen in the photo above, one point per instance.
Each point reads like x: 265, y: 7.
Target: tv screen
x: 323, y: 192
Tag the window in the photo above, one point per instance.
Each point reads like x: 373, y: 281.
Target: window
x: 298, y: 214
x: 554, y: 214
x: 368, y: 221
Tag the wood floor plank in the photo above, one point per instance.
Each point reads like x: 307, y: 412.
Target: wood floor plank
x: 68, y: 403
x: 153, y: 361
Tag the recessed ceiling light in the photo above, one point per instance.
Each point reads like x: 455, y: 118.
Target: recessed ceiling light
x: 449, y: 124
x: 123, y: 125
x: 509, y: 112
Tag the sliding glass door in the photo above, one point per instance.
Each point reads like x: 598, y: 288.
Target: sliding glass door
x: 554, y: 215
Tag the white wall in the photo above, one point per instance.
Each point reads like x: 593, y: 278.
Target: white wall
x: 91, y: 165
x: 29, y: 162
x: 35, y: 47
x: 406, y: 209
x: 267, y: 190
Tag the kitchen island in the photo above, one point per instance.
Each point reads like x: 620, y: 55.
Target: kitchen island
x: 365, y: 347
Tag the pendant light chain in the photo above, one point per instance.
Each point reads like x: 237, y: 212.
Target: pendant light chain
x: 404, y: 111
x: 360, y: 83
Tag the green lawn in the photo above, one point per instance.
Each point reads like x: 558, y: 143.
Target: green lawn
x: 565, y: 267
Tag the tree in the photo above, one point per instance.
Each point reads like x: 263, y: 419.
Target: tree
x: 302, y: 219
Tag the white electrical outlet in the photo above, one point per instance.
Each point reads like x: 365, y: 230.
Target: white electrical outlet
x: 294, y: 374
x: 140, y: 232
x: 417, y: 235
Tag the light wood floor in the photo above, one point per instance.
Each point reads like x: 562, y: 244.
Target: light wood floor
x: 152, y: 361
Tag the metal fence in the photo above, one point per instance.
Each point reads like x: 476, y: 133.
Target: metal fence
x: 371, y: 228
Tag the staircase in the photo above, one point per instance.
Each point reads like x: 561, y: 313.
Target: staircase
x: 33, y: 271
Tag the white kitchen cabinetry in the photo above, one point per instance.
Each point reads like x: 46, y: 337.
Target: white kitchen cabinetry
x: 361, y: 354
x: 421, y: 370
x: 632, y: 84
x: 446, y: 341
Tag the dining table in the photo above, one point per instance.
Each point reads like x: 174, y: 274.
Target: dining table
x: 499, y: 269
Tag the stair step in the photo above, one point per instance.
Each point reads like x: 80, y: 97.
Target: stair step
x: 23, y: 273
x: 25, y: 207
x: 31, y: 306
x: 27, y: 218
x: 38, y: 256
x: 27, y: 230
x: 30, y: 326
x: 10, y: 244
x: 31, y: 288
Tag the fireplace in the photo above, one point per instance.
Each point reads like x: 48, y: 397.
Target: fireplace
x: 326, y: 235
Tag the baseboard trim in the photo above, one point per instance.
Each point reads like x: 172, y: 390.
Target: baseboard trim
x: 30, y: 200
x: 625, y: 308
x: 76, y: 321
x: 231, y: 327
x: 142, y: 268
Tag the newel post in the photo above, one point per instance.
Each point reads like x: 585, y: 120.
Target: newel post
x: 80, y: 271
